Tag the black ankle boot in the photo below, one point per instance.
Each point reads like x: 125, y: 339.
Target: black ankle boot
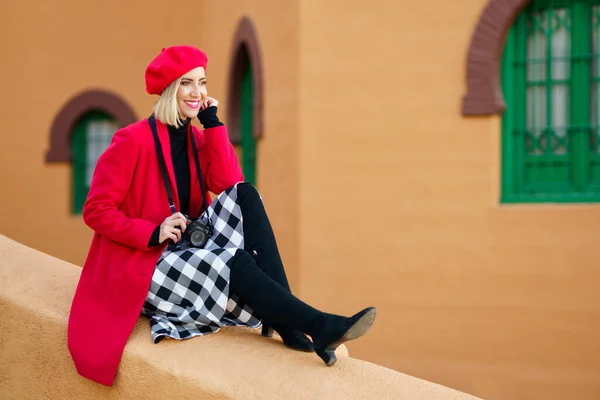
x: 291, y: 338
x: 277, y: 305
x: 333, y: 330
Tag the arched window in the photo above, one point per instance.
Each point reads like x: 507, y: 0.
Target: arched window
x: 551, y: 84
x: 244, y: 109
x: 81, y: 132
x: 91, y: 136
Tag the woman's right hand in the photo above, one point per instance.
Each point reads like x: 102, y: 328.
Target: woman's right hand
x: 172, y: 228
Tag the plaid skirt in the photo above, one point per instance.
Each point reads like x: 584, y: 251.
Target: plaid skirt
x: 189, y: 293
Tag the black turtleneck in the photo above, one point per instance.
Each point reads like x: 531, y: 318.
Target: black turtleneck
x: 181, y: 166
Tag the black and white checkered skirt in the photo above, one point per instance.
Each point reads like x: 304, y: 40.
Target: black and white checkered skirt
x: 189, y: 293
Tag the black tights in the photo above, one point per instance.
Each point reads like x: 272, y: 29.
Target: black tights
x: 258, y: 234
x: 257, y: 272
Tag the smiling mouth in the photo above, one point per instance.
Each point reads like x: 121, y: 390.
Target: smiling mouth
x: 192, y: 104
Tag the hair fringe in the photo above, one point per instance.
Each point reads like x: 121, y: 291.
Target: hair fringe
x: 166, y: 109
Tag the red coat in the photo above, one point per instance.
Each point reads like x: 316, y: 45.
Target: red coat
x: 127, y: 200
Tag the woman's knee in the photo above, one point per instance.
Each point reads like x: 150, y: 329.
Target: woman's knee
x: 246, y: 190
x: 241, y: 259
x: 240, y: 267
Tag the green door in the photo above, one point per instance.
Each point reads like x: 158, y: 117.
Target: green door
x: 247, y: 125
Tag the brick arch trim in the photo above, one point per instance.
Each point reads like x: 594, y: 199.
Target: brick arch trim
x: 245, y: 37
x: 74, y: 109
x: 484, y: 94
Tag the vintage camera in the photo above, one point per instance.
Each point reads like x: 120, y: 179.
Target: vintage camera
x: 197, y: 232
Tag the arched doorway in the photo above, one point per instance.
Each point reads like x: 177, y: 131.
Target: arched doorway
x: 245, y: 97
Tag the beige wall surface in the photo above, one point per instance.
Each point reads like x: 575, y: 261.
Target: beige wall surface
x: 235, y: 363
x: 399, y: 209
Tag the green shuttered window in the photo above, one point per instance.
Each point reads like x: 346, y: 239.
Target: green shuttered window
x: 91, y: 136
x: 551, y: 83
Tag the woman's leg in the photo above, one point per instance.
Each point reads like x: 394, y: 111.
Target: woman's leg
x: 258, y: 234
x: 260, y: 242
x: 276, y: 304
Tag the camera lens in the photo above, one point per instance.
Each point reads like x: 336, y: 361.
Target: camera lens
x: 197, y: 237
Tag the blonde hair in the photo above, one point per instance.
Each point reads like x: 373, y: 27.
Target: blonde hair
x: 166, y: 109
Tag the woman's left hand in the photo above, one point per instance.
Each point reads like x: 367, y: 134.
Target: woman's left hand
x: 209, y: 102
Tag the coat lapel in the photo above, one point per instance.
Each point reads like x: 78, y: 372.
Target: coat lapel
x: 165, y: 143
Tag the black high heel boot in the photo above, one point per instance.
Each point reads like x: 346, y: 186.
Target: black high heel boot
x: 276, y: 304
x: 291, y: 338
x: 336, y: 330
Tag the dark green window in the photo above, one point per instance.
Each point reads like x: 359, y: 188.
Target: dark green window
x: 551, y: 126
x: 246, y: 126
x: 91, y: 136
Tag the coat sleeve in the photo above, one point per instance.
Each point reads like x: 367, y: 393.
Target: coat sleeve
x: 223, y: 169
x: 112, y: 177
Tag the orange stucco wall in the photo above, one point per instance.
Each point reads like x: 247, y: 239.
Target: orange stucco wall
x: 107, y: 46
x: 58, y: 51
x: 497, y: 300
x: 380, y: 192
x: 277, y: 167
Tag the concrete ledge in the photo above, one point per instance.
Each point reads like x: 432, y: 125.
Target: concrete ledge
x: 236, y: 363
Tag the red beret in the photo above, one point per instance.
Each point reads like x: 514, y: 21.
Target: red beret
x: 170, y: 64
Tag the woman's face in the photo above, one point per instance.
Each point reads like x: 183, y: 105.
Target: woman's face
x: 191, y: 93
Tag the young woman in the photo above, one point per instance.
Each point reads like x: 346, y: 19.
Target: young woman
x: 148, y: 206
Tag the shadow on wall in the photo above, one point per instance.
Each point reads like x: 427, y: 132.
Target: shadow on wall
x: 236, y: 363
